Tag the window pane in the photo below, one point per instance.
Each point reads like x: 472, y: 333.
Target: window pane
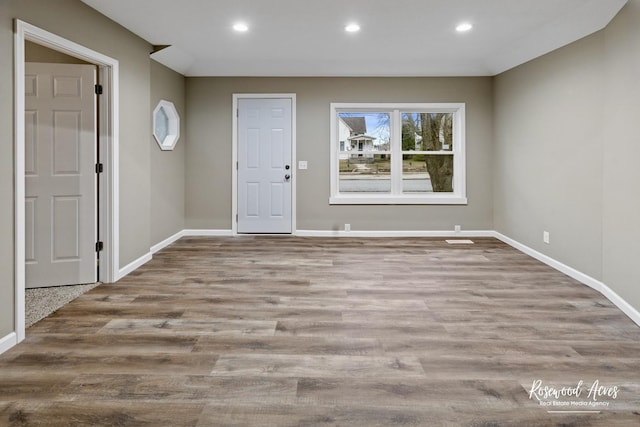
x: 422, y: 173
x: 162, y: 125
x: 427, y: 132
x: 365, y: 173
x: 364, y: 132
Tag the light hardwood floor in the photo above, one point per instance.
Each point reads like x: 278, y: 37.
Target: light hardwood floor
x: 289, y: 331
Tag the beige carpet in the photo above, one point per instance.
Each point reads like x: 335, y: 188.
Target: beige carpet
x: 41, y: 302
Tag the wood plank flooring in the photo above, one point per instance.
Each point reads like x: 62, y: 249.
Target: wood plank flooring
x: 291, y: 331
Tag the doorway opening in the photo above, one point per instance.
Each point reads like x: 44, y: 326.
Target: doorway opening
x: 107, y: 152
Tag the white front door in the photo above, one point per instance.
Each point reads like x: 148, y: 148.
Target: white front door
x: 265, y: 171
x: 60, y: 175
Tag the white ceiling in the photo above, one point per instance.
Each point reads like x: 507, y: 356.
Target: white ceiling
x: 398, y: 37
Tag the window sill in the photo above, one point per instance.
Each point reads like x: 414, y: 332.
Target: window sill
x: 440, y: 199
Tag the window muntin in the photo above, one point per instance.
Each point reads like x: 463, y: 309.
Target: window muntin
x: 397, y: 154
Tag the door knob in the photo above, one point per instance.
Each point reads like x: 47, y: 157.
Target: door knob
x: 286, y: 177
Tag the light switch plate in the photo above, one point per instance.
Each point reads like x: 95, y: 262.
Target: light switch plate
x: 302, y: 164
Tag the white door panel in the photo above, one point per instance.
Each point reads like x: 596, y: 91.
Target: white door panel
x: 60, y: 179
x: 265, y: 165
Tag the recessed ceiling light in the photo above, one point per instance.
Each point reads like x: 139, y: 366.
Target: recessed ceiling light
x: 352, y: 28
x: 240, y: 27
x: 464, y: 27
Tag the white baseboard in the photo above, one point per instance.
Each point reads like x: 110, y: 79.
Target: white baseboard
x: 207, y: 232
x: 397, y: 233
x: 595, y: 284
x: 341, y: 233
x: 166, y: 242
x: 134, y: 265
x: 8, y: 341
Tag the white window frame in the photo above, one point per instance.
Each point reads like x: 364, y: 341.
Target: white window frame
x: 457, y: 197
x: 168, y: 141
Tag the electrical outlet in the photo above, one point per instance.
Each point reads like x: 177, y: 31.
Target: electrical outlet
x: 545, y: 237
x: 347, y: 227
x: 456, y: 228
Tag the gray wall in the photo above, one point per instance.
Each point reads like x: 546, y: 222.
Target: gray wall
x: 167, y: 167
x: 548, y: 154
x: 208, y: 185
x: 75, y: 21
x: 566, y: 154
x: 621, y: 149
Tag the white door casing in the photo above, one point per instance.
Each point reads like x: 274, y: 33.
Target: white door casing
x: 109, y: 129
x: 264, y: 168
x: 60, y: 178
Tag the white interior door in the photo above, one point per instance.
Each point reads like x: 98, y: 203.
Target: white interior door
x: 60, y: 176
x: 264, y: 165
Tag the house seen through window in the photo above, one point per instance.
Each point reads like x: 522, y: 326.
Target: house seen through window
x: 397, y: 154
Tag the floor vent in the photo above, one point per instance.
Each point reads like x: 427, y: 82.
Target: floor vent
x: 460, y: 242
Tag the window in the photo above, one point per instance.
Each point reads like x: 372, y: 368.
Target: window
x: 397, y: 154
x: 166, y: 125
